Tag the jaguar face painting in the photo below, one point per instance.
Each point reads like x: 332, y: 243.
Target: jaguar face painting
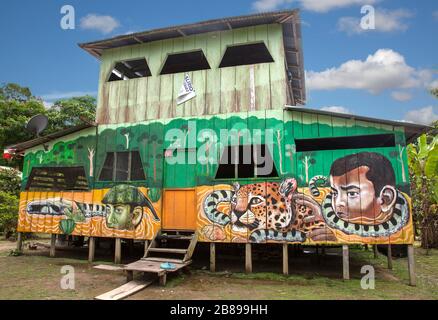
x: 268, y: 211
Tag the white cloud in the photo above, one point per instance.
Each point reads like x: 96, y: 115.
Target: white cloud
x: 423, y: 116
x: 401, y: 96
x: 51, y: 97
x: 311, y: 5
x: 385, y: 69
x: 433, y: 84
x: 338, y: 109
x: 104, y: 24
x: 385, y: 21
x: 435, y: 15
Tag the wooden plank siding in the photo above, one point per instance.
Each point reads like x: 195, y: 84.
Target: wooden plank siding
x: 219, y: 90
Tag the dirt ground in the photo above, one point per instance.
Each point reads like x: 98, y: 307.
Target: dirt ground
x: 35, y: 275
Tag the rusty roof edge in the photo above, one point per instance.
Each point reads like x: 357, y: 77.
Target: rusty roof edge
x: 360, y: 118
x: 21, y: 146
x: 283, y: 13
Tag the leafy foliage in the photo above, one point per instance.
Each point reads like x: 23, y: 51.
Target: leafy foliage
x: 18, y: 105
x: 8, y: 213
x: 423, y: 167
x: 9, y: 198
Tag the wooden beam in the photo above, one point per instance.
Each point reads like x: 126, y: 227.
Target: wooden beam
x: 411, y: 266
x: 376, y: 252
x: 19, y: 242
x: 162, y: 279
x: 389, y: 256
x: 345, y: 263
x: 146, y: 245
x: 52, y: 245
x: 91, y: 249
x: 285, y: 259
x: 118, y: 251
x: 212, y: 257
x: 248, y: 258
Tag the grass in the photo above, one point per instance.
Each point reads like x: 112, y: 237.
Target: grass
x: 36, y: 276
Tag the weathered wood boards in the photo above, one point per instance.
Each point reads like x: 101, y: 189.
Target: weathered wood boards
x: 125, y: 290
x: 219, y: 90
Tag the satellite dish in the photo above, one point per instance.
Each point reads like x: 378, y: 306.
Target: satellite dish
x: 37, y: 124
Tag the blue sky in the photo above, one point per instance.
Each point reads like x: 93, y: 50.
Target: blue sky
x: 383, y: 73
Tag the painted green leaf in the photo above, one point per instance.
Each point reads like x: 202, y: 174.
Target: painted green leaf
x: 154, y: 194
x: 67, y: 226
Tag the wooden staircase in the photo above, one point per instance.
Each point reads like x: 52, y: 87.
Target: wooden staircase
x: 167, y: 246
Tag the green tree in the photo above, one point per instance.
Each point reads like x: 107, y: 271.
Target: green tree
x: 9, y: 198
x: 15, y: 92
x: 423, y: 169
x: 18, y: 105
x: 15, y: 111
x: 71, y: 112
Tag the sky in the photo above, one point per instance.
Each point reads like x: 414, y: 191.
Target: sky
x: 383, y: 72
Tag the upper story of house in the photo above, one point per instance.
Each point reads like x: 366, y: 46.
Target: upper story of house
x: 236, y: 64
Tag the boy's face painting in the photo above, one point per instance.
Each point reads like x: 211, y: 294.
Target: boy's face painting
x: 121, y: 217
x: 354, y: 197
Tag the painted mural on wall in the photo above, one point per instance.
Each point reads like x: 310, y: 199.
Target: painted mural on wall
x: 303, y: 205
x: 360, y: 205
x: 122, y: 211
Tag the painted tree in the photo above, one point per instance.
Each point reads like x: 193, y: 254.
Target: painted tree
x: 91, y: 153
x: 126, y: 132
x: 280, y: 157
x: 290, y: 151
x: 307, y: 159
x: 399, y: 156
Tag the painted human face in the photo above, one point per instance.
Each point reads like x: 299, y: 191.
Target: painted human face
x: 354, y: 196
x: 119, y: 216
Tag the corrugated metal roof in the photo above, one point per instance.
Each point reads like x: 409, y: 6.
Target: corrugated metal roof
x: 289, y: 19
x: 412, y: 130
x: 20, y: 147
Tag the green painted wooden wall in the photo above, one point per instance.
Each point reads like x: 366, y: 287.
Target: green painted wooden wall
x: 149, y: 138
x: 219, y: 90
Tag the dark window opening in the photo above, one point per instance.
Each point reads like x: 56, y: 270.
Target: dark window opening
x: 122, y: 166
x: 185, y: 62
x: 130, y: 69
x: 248, y: 161
x: 57, y: 179
x: 246, y: 54
x: 345, y: 143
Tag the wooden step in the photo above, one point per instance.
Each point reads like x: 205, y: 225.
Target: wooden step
x: 168, y: 250
x: 160, y: 259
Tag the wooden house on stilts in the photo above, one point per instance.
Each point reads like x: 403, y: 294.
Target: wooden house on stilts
x: 201, y: 132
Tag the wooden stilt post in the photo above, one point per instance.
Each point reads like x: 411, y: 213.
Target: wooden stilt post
x: 118, y: 251
x: 52, y: 245
x: 389, y: 257
x: 19, y: 242
x: 376, y: 252
x: 248, y: 258
x: 345, y: 262
x: 212, y: 257
x: 146, y: 246
x: 285, y: 259
x: 411, y: 266
x: 91, y: 249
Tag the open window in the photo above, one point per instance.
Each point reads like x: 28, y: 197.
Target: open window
x: 130, y: 69
x: 185, y: 62
x: 244, y: 54
x: 57, y: 179
x: 122, y: 166
x: 345, y: 143
x: 249, y: 161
